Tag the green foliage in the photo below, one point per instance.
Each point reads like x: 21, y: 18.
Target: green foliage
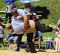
x: 52, y: 5
x: 2, y: 5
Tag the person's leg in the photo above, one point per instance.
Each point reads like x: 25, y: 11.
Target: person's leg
x: 10, y: 15
x: 48, y: 42
x: 42, y: 28
x: 33, y: 39
x: 30, y: 43
x: 19, y: 41
x: 46, y: 46
x: 51, y: 45
x: 15, y: 39
x: 11, y: 38
x: 39, y: 38
x: 39, y: 44
x: 56, y: 45
x: 6, y: 18
x: 59, y: 44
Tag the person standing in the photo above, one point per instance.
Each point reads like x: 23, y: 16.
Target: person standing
x: 9, y: 7
x: 57, y: 39
x: 8, y: 13
x: 19, y: 25
x: 38, y: 35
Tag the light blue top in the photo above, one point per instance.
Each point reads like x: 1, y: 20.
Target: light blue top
x: 18, y: 24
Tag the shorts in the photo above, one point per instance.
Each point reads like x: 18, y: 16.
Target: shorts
x: 39, y: 37
x: 57, y: 38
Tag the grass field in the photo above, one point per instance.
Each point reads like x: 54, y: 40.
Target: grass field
x: 52, y: 5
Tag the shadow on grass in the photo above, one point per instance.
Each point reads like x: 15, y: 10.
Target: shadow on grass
x: 43, y: 11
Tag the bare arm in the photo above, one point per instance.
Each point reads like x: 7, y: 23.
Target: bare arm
x: 25, y: 22
x: 19, y: 17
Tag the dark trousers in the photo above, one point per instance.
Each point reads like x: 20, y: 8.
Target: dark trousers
x: 42, y: 28
x: 19, y: 40
x: 29, y: 41
x: 8, y: 17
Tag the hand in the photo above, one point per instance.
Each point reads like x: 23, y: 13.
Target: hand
x: 25, y: 29
x: 8, y: 26
x: 19, y: 17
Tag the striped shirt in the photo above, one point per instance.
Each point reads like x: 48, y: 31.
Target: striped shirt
x: 1, y: 32
x: 18, y: 24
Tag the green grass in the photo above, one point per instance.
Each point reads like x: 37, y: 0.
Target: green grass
x: 52, y: 5
x: 48, y: 34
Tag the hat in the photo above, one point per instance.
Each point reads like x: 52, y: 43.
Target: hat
x: 27, y: 5
x: 14, y: 10
x: 1, y: 19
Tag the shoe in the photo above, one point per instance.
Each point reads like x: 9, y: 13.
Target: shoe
x: 32, y: 48
x: 27, y: 50
x: 16, y: 49
x: 53, y: 27
x: 33, y: 51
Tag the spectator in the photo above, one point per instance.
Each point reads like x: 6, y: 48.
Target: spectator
x: 8, y: 13
x: 57, y: 39
x: 11, y: 37
x: 9, y: 7
x: 38, y: 35
x: 49, y: 43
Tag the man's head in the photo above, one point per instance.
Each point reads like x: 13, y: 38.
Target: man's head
x: 27, y: 5
x: 10, y: 4
x: 14, y: 12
